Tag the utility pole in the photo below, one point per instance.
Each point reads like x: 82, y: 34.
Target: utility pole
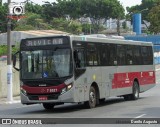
x: 9, y: 51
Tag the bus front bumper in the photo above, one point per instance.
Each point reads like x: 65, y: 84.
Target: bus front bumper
x: 67, y: 97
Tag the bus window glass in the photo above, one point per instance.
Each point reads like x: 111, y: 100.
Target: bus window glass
x: 104, y: 55
x: 147, y: 55
x: 129, y: 54
x: 144, y: 55
x: 112, y: 54
x: 92, y: 55
x: 150, y: 55
x: 136, y: 55
x: 46, y: 63
x: 79, y: 58
x: 121, y: 55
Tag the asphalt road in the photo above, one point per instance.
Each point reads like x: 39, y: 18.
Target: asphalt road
x: 147, y: 106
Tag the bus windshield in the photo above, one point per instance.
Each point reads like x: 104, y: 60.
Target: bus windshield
x: 46, y: 63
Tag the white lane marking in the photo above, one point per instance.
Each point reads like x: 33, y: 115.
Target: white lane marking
x: 140, y: 116
x: 158, y: 69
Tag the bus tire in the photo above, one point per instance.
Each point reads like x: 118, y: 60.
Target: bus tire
x: 135, y: 91
x: 92, y: 98
x: 48, y: 106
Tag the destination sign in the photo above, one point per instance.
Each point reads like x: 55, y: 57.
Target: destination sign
x: 43, y: 42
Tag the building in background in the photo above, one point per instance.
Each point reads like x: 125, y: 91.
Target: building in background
x: 17, y: 36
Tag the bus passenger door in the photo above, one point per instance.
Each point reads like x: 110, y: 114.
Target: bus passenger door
x: 79, y: 71
x: 109, y: 69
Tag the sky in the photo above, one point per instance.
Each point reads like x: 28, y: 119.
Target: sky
x: 125, y: 3
x: 129, y: 3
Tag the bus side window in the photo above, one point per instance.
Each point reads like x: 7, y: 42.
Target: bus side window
x: 112, y: 50
x: 129, y: 54
x: 136, y: 56
x: 150, y: 55
x: 121, y: 59
x: 147, y: 55
x: 144, y: 55
x: 79, y: 58
x: 104, y: 56
x: 93, y: 55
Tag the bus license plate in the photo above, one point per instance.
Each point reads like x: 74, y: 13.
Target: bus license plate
x: 42, y: 98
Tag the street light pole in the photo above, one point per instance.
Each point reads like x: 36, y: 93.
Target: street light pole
x: 9, y: 66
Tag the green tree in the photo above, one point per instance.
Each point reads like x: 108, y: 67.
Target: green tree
x: 69, y: 7
x: 149, y: 10
x: 154, y: 18
x: 50, y: 11
x: 15, y: 48
x: 87, y: 28
x: 3, y: 18
x: 98, y: 10
x: 32, y: 22
x: 60, y: 24
x: 33, y: 8
x: 71, y: 26
x: 3, y: 50
x: 0, y: 2
x: 102, y: 9
x: 143, y: 8
x: 24, y: 27
x: 75, y: 27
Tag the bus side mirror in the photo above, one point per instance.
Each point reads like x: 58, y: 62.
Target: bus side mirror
x: 14, y: 60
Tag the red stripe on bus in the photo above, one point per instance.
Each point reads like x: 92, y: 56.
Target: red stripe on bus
x: 43, y: 90
x: 122, y: 80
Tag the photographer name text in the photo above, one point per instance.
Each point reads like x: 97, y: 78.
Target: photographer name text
x: 144, y: 122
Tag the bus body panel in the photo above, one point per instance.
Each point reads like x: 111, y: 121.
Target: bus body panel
x: 107, y: 80
x: 80, y: 88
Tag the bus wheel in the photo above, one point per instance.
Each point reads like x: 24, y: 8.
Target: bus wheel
x: 48, y: 106
x: 92, y: 98
x: 135, y: 93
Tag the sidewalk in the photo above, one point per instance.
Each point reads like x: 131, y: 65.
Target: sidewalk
x: 5, y: 101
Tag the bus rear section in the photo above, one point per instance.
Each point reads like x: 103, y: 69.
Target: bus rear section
x: 112, y: 67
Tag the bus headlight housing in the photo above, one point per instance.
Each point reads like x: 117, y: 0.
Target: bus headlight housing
x: 65, y: 89
x: 23, y: 91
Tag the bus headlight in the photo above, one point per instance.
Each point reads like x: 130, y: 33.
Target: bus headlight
x: 68, y: 87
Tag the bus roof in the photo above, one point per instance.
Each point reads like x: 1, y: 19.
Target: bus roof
x: 98, y: 38
x: 109, y: 40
